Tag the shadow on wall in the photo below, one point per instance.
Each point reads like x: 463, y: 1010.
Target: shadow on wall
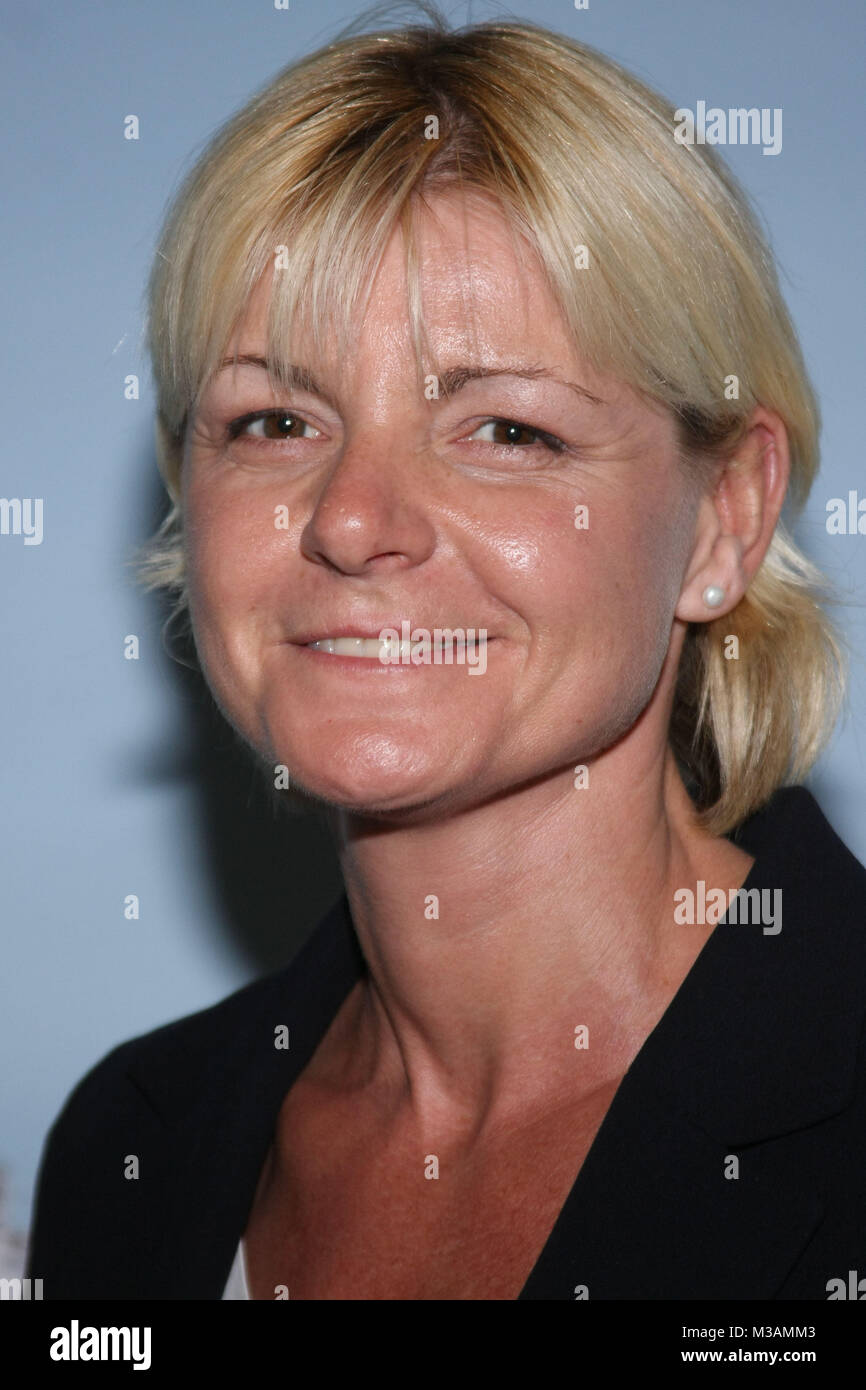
x: 13, y: 1243
x: 274, y: 867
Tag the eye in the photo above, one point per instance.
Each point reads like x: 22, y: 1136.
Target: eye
x: 270, y: 424
x: 509, y: 434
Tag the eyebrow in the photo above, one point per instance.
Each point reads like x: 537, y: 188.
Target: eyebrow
x: 299, y: 378
x: 452, y: 380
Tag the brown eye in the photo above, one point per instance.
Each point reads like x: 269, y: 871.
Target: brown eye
x: 512, y: 433
x: 270, y: 424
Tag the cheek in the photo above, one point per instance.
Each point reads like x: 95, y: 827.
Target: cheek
x: 605, y: 560
x: 234, y: 553
x: 598, y: 600
x: 237, y: 564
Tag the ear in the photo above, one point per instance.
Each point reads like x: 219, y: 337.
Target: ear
x: 735, y: 524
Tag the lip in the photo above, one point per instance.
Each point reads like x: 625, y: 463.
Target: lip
x: 318, y: 634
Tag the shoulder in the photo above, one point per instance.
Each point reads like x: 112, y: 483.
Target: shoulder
x: 797, y: 848
x: 809, y: 960
x: 182, y: 1048
x: 206, y: 1084
x: 205, y: 1051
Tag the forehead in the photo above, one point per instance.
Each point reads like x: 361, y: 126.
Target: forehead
x: 483, y: 294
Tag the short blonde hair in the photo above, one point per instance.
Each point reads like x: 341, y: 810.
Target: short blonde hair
x: 679, y: 294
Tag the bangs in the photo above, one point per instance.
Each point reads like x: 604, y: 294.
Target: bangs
x: 322, y: 241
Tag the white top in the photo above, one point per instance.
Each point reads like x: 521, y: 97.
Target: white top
x: 237, y: 1288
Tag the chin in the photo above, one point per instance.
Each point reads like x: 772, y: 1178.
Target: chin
x: 367, y: 774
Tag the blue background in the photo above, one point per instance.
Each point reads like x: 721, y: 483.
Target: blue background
x: 115, y: 778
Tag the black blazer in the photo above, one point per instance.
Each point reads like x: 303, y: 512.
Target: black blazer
x: 759, y: 1056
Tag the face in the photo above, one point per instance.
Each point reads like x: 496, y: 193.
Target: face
x: 530, y: 499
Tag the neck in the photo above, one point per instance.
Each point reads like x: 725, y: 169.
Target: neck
x: 493, y: 934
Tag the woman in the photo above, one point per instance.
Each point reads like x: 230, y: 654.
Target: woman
x: 450, y: 332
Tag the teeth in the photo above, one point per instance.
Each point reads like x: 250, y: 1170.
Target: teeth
x: 356, y: 646
x: 381, y: 649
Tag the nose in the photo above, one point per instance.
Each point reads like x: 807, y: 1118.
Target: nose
x: 372, y: 512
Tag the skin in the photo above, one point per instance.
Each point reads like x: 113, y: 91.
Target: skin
x: 555, y: 904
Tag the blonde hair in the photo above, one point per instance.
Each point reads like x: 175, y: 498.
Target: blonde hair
x: 680, y: 294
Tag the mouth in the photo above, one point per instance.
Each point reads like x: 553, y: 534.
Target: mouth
x: 390, y: 650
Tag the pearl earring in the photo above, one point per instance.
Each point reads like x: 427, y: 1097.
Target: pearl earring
x: 713, y: 596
